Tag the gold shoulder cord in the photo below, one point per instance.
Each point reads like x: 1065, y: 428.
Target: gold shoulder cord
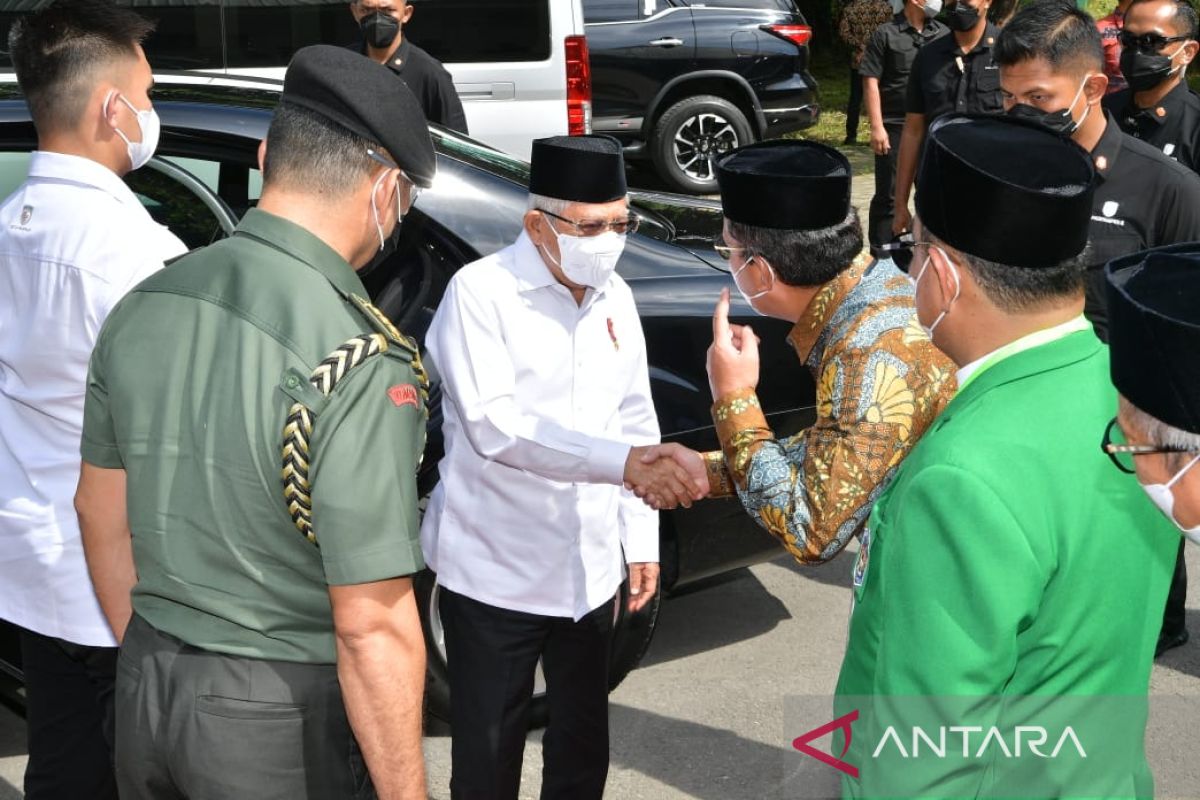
x: 297, y: 432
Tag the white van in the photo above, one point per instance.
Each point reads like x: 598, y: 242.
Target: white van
x: 520, y: 66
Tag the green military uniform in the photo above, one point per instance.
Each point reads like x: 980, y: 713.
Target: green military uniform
x: 191, y: 385
x: 1010, y: 558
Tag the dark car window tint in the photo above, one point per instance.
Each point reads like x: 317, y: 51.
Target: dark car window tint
x: 469, y: 31
x: 774, y: 5
x: 610, y: 10
x: 174, y: 205
x: 187, y: 34
x: 266, y: 35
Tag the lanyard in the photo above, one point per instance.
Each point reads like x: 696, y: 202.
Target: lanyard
x: 1035, y: 339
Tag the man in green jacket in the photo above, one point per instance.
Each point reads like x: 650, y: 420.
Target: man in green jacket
x: 998, y: 580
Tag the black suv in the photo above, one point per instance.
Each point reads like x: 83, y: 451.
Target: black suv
x: 681, y: 81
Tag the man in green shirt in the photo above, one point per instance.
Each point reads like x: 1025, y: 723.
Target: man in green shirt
x: 998, y: 584
x: 274, y: 649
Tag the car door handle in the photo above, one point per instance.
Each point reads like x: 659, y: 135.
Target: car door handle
x: 666, y: 41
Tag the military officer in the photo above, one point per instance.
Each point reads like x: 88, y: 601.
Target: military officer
x: 1158, y: 43
x: 986, y: 571
x: 273, y: 647
x: 1050, y: 67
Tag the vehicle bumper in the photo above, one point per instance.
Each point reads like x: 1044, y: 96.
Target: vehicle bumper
x: 789, y: 105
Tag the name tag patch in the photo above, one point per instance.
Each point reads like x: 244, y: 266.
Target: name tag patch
x: 404, y: 394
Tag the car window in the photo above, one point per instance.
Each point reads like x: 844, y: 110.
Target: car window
x: 474, y: 31
x: 13, y: 169
x: 774, y: 5
x: 261, y: 34
x: 610, y: 10
x: 238, y: 185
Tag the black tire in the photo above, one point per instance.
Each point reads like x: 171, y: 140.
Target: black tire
x: 690, y: 135
x: 631, y: 637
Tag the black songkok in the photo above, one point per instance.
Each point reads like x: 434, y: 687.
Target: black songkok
x: 1005, y: 190
x: 578, y: 169
x: 785, y: 184
x: 1154, y: 332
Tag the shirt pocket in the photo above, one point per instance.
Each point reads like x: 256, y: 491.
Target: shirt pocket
x: 987, y: 89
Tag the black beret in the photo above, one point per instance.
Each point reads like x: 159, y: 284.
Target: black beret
x: 788, y: 184
x: 1005, y: 190
x: 365, y: 98
x: 1154, y: 332
x: 579, y: 169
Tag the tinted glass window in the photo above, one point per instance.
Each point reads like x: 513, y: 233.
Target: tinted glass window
x: 172, y: 204
x: 466, y: 31
x: 610, y: 10
x: 266, y: 35
x: 774, y: 5
x: 187, y: 34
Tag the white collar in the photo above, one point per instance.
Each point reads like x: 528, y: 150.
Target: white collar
x: 81, y: 171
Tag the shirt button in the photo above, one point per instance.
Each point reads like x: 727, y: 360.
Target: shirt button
x: 293, y: 382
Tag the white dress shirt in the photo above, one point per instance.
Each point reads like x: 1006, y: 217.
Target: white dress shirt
x: 543, y: 398
x: 73, y: 240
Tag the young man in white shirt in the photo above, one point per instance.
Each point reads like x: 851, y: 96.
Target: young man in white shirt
x: 547, y: 413
x: 73, y: 240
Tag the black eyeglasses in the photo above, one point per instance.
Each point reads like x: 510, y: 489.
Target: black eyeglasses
x: 1146, y: 42
x: 1122, y: 453
x: 597, y: 227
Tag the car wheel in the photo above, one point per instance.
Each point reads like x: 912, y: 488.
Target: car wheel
x: 691, y: 135
x: 631, y: 637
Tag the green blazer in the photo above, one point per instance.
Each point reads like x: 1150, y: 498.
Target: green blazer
x: 1009, y: 558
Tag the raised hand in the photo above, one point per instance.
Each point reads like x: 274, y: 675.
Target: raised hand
x: 733, y: 357
x: 666, y: 475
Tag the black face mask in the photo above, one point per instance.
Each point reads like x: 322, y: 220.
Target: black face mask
x: 1144, y: 70
x: 1059, y: 122
x: 962, y: 17
x: 379, y: 29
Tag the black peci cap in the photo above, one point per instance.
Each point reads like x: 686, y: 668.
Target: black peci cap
x: 785, y: 184
x: 1154, y: 332
x: 1005, y: 190
x: 579, y: 169
x: 366, y: 99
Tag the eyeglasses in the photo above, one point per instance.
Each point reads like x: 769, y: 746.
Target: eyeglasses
x: 903, y: 251
x: 725, y: 250
x: 414, y: 191
x: 597, y: 227
x: 1122, y: 453
x: 1146, y: 42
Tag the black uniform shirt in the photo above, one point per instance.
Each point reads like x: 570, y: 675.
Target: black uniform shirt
x: 1172, y: 126
x: 889, y: 57
x: 1143, y: 199
x: 430, y: 82
x: 944, y: 79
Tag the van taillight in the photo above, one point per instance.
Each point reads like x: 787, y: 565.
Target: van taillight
x: 798, y: 35
x: 579, y: 87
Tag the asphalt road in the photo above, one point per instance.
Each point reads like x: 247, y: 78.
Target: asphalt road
x: 704, y: 715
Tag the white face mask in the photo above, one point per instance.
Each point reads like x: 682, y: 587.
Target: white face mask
x: 375, y: 210
x: 1162, y: 496
x: 750, y: 298
x: 933, y: 8
x: 148, y: 124
x: 587, y: 260
x: 957, y: 289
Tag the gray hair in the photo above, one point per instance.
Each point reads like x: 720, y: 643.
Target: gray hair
x: 1159, y: 433
x: 539, y: 202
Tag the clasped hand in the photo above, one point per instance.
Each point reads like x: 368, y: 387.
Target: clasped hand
x: 666, y: 475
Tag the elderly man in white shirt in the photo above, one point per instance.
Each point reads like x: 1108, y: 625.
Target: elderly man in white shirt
x: 547, y: 415
x: 73, y: 240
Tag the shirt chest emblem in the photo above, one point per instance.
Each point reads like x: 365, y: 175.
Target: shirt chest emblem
x: 26, y: 214
x: 1168, y: 148
x: 1109, y: 209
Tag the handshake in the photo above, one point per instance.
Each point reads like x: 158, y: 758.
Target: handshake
x: 666, y: 475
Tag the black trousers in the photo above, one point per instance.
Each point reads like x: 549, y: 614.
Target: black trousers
x: 1174, y: 615
x: 493, y: 654
x: 854, y: 104
x: 883, y: 208
x: 68, y: 718
x: 197, y: 725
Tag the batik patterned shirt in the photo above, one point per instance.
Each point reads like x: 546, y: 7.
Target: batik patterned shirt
x: 880, y: 383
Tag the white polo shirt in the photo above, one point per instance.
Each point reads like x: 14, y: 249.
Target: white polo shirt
x: 542, y: 399
x: 73, y: 240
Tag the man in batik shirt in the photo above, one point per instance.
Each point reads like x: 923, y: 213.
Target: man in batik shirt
x: 794, y: 245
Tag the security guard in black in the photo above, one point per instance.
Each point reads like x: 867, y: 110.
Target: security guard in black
x: 381, y: 23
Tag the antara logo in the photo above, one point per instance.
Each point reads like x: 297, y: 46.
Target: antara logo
x: 844, y: 722
x: 939, y: 742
